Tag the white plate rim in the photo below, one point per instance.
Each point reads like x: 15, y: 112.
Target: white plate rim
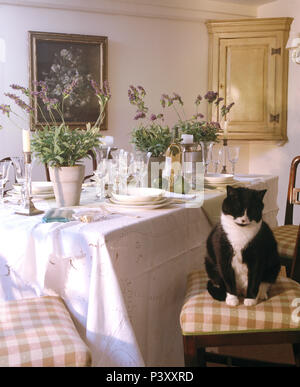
x: 139, y: 203
x: 132, y: 207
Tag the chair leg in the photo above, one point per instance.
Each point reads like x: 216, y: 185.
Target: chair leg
x: 193, y: 356
x: 296, y: 348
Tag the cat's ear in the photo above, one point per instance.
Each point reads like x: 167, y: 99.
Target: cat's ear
x: 261, y: 194
x: 230, y: 190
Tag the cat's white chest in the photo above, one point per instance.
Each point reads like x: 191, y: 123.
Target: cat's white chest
x: 239, y: 237
x: 241, y: 273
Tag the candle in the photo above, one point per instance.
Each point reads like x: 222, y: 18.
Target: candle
x: 26, y: 140
x: 187, y: 138
x: 225, y: 129
x: 108, y: 140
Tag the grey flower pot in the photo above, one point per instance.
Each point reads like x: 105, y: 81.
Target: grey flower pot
x: 67, y: 183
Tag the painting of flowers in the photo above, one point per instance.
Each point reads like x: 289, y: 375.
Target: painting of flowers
x: 66, y: 65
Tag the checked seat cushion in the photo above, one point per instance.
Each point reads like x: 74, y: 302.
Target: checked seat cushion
x: 39, y: 332
x: 286, y: 237
x: 201, y: 314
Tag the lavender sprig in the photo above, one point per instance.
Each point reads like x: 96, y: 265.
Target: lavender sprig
x: 5, y: 109
x: 19, y: 102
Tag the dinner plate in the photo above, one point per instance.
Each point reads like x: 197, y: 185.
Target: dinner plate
x: 139, y: 203
x: 47, y: 195
x: 136, y: 194
x: 153, y: 206
x: 37, y: 187
x: 217, y: 178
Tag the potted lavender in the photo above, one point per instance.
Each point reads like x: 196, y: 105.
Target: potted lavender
x: 56, y: 145
x: 151, y: 135
x: 205, y: 133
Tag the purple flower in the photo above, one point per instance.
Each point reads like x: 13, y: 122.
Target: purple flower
x: 220, y: 99
x: 140, y: 115
x: 106, y: 87
x: 68, y: 89
x: 198, y: 100
x: 19, y: 102
x: 95, y: 87
x: 198, y: 115
x: 211, y: 96
x: 177, y: 98
x: 21, y: 88
x: 153, y: 117
x: 166, y: 98
x: 5, y: 109
x: 225, y: 109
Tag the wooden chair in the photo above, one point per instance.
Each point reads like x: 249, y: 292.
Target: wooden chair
x: 39, y: 332
x: 94, y: 165
x: 209, y: 323
x: 286, y: 235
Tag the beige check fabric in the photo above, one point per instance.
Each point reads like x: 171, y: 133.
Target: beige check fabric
x: 286, y: 237
x: 201, y: 314
x: 39, y: 332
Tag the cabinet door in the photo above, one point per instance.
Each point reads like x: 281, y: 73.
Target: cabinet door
x: 247, y: 76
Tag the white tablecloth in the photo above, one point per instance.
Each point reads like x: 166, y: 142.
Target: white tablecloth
x: 122, y: 278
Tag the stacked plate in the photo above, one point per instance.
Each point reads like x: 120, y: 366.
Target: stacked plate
x: 140, y: 198
x: 218, y: 180
x: 40, y: 189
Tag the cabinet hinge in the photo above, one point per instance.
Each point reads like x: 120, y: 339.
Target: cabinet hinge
x: 275, y: 51
x: 274, y: 118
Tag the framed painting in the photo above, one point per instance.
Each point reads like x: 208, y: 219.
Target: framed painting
x: 58, y: 59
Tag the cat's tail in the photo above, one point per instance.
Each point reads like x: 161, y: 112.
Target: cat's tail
x: 217, y: 292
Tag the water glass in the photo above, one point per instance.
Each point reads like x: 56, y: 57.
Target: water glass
x: 4, y: 173
x: 206, y: 147
x: 19, y: 167
x: 233, y: 156
x: 100, y: 173
x: 140, y: 166
x: 217, y: 157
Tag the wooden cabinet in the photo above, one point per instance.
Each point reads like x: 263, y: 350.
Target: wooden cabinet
x: 248, y: 65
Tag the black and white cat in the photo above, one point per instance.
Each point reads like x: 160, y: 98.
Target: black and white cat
x: 242, y: 257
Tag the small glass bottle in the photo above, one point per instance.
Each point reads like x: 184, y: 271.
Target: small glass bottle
x: 173, y: 162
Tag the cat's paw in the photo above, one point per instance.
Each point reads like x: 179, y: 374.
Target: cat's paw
x: 232, y: 300
x: 250, y: 301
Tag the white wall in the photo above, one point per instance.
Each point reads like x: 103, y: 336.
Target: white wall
x: 164, y: 54
x: 271, y: 158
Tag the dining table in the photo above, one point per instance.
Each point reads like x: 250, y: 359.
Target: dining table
x: 121, y: 276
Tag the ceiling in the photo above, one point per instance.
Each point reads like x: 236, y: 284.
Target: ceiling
x: 247, y: 2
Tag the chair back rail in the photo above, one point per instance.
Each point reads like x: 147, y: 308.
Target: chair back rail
x: 295, y: 271
x: 292, y: 195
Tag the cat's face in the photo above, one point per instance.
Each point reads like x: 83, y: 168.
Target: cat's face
x: 244, y: 205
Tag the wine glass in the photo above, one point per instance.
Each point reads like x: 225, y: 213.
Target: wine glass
x: 19, y: 167
x: 233, y: 156
x: 217, y: 156
x: 4, y: 173
x: 100, y: 173
x: 140, y: 166
x: 206, y: 147
x: 125, y: 169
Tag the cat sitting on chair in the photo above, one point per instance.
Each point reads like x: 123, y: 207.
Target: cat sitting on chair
x: 242, y: 258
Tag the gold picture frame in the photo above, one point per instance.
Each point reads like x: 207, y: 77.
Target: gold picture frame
x: 56, y: 58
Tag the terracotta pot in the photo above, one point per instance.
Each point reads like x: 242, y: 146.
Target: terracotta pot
x: 67, y: 183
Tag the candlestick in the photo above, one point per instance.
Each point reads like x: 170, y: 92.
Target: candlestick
x: 26, y: 140
x: 225, y: 129
x: 224, y: 169
x: 27, y: 207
